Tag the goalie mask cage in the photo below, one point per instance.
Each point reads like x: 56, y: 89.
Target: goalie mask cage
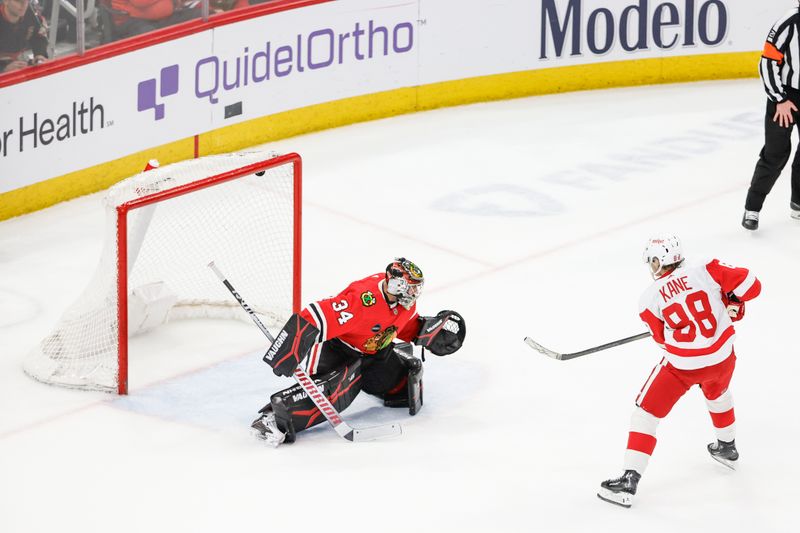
x: 164, y: 226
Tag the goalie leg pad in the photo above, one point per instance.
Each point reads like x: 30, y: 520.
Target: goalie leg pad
x: 295, y: 411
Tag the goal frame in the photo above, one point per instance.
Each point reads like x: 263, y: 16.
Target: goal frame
x: 122, y: 241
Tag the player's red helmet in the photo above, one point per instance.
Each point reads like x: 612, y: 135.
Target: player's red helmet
x: 404, y: 280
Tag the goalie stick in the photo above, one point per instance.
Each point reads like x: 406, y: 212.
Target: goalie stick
x: 565, y: 356
x: 320, y: 400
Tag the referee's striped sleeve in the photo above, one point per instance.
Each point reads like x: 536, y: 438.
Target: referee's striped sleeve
x: 776, y: 59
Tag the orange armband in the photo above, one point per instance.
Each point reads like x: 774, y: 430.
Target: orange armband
x: 770, y: 52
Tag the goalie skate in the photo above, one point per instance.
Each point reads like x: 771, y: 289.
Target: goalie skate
x: 266, y: 429
x: 725, y: 453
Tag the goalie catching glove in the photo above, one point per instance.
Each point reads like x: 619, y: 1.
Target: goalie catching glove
x: 291, y: 345
x: 442, y: 334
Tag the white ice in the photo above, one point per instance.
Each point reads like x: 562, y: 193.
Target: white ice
x: 528, y: 217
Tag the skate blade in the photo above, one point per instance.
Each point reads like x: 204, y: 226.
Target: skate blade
x: 617, y: 498
x: 727, y: 462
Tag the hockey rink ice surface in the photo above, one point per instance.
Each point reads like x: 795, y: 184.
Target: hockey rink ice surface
x: 529, y: 217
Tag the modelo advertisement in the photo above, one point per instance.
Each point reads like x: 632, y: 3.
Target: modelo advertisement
x: 545, y: 34
x: 108, y: 109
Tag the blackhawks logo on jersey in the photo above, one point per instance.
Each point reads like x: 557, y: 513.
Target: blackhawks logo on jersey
x: 368, y: 299
x: 380, y: 340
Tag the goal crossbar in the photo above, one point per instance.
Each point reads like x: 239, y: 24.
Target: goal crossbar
x: 122, y: 238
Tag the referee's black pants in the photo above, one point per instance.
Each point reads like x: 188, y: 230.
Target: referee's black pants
x: 773, y: 157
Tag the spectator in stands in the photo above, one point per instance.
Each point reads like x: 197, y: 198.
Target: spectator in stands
x: 21, y: 28
x: 134, y: 17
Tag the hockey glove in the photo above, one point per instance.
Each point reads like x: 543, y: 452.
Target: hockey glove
x: 442, y: 334
x: 292, y: 344
x: 733, y: 306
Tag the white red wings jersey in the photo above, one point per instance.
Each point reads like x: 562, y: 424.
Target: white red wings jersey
x: 687, y: 316
x: 361, y: 317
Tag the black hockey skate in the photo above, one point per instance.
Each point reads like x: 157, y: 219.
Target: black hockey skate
x: 794, y: 210
x: 724, y: 452
x: 750, y: 220
x: 620, y: 491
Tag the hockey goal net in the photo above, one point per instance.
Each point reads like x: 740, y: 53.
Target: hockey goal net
x: 164, y: 226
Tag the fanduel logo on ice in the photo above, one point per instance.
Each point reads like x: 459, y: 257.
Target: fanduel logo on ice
x: 147, y: 90
x: 573, y: 28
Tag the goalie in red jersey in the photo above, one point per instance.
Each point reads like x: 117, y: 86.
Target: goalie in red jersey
x: 348, y: 345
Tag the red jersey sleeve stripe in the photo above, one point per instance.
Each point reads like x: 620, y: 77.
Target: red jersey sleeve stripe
x: 319, y: 318
x: 656, y: 325
x: 727, y: 278
x: 748, y: 289
x: 313, y: 360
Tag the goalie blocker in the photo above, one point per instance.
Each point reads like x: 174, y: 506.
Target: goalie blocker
x: 292, y: 344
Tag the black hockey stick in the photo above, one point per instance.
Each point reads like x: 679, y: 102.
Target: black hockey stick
x: 565, y: 356
x: 320, y: 400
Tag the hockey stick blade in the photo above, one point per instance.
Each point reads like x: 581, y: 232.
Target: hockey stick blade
x: 375, y: 433
x: 541, y: 349
x: 567, y: 356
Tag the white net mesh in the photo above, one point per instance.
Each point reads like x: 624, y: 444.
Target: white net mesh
x: 246, y: 225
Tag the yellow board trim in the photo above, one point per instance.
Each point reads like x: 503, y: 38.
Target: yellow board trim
x: 386, y: 104
x: 93, y: 179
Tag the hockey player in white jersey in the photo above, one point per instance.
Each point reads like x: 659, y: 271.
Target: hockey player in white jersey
x: 690, y: 312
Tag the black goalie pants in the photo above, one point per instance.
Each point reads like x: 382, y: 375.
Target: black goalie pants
x: 380, y: 372
x: 342, y: 372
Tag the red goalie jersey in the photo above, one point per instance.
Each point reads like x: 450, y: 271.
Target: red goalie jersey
x: 361, y: 317
x: 687, y: 315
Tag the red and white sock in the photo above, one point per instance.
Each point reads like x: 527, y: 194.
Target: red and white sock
x: 641, y: 440
x: 721, y: 411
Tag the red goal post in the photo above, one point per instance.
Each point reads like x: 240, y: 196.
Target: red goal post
x: 164, y: 226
